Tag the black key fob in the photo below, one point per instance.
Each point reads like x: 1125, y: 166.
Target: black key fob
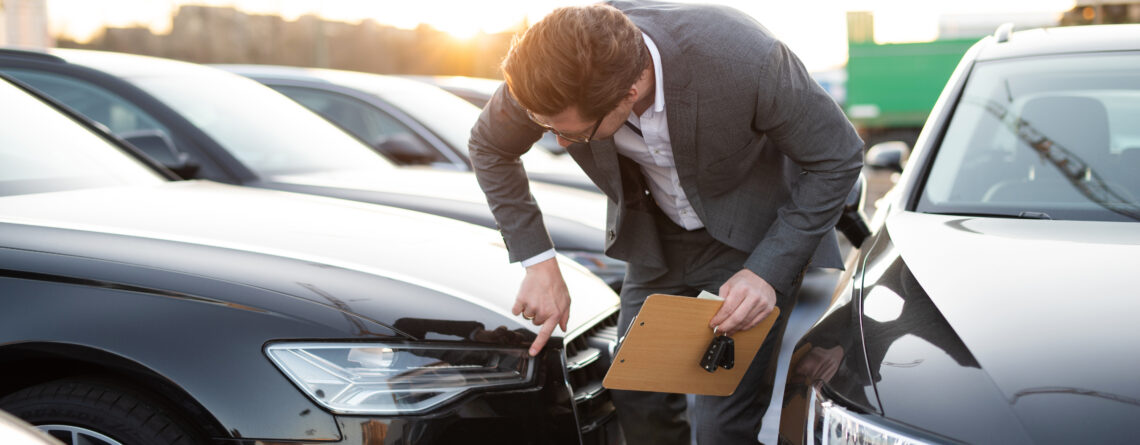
x: 727, y: 359
x: 713, y: 355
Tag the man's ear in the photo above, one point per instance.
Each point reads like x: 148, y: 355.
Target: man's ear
x: 631, y: 95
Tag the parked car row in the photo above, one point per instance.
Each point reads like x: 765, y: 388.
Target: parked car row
x: 137, y: 307
x: 205, y: 123
x: 995, y: 301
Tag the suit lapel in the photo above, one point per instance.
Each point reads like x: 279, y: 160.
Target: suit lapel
x: 606, y: 161
x: 681, y: 111
x: 599, y: 161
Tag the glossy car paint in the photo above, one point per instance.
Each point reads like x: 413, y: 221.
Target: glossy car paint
x: 973, y: 329
x: 177, y: 287
x: 201, y: 285
x: 575, y: 218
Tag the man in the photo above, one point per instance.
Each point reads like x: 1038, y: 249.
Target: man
x: 725, y: 165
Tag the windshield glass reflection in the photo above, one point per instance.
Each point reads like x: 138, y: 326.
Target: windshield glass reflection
x: 1043, y: 138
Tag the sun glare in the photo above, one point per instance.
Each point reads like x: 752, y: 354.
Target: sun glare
x: 456, y: 27
x: 460, y: 19
x: 898, y: 25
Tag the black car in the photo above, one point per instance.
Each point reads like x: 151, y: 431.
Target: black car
x: 205, y: 123
x: 375, y: 108
x: 135, y: 309
x: 995, y: 301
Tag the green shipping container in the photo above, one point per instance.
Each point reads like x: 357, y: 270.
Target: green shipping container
x: 895, y: 85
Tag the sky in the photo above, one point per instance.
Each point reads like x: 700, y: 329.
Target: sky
x: 814, y: 29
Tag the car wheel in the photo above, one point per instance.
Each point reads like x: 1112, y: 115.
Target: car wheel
x: 83, y: 411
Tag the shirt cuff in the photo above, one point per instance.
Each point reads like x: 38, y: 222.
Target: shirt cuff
x: 538, y: 258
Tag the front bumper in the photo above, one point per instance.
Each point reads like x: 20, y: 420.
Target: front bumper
x: 567, y: 405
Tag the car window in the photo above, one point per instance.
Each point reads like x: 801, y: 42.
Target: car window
x: 265, y: 130
x: 43, y: 150
x: 364, y: 121
x: 120, y: 117
x: 443, y: 113
x: 1055, y: 137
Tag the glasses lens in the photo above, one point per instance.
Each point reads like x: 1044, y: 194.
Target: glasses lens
x: 575, y: 139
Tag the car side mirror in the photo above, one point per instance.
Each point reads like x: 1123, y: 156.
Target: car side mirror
x: 407, y: 149
x: 888, y: 155
x: 157, y: 146
x: 852, y: 222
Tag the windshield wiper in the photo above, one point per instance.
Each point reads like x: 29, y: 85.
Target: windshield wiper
x: 1075, y: 169
x: 1033, y: 215
x: 1020, y: 215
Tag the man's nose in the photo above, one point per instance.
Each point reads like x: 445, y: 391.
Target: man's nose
x: 563, y: 142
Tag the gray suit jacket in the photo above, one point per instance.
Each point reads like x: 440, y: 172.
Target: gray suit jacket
x: 764, y: 155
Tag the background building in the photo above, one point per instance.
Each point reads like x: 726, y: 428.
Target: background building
x: 24, y: 23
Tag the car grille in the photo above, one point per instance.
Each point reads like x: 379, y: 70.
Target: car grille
x: 588, y: 357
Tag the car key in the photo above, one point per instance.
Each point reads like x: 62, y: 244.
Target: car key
x: 727, y: 358
x: 713, y: 354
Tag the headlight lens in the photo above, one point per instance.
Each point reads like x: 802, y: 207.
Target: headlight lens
x: 833, y: 425
x: 610, y: 270
x: 396, y: 378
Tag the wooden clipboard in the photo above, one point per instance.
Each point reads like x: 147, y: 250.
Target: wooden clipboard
x: 665, y: 343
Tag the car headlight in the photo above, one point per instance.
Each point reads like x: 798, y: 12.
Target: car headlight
x: 610, y: 270
x: 396, y: 378
x: 833, y: 424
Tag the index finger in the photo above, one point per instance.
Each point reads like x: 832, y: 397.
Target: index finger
x: 543, y: 336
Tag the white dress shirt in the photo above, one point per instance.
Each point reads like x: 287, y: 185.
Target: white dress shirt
x: 653, y: 151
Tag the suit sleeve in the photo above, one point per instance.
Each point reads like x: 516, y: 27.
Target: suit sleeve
x: 810, y: 129
x: 500, y: 136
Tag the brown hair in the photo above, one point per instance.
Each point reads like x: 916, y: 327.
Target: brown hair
x: 585, y: 56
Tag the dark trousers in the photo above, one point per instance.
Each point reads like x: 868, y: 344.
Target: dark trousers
x: 697, y: 262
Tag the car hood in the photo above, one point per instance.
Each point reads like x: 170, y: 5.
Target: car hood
x: 586, y: 208
x: 1047, y: 308
x: 458, y: 259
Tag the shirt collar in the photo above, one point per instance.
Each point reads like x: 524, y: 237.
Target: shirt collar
x: 659, y: 85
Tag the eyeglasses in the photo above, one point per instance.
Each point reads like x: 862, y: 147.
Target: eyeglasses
x: 579, y: 139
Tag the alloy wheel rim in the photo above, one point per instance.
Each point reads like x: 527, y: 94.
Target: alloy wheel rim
x: 75, y: 435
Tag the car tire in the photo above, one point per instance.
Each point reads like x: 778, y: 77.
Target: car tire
x: 99, y: 411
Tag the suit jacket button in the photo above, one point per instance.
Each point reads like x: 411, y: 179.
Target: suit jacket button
x: 611, y: 234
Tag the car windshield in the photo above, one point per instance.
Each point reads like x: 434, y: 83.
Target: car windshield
x: 1046, y: 137
x: 268, y: 132
x: 43, y: 150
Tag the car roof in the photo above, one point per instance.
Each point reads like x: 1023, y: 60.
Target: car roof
x: 378, y: 84
x: 1061, y: 40
x: 28, y: 53
x: 128, y: 65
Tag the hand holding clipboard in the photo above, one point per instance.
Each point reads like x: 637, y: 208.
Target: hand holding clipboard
x: 665, y: 345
